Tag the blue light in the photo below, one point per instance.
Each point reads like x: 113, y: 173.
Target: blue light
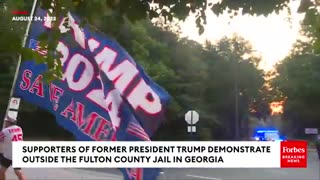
x: 264, y: 133
x: 267, y: 131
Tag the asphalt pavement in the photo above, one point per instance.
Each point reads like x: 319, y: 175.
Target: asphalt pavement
x: 310, y: 173
x: 61, y: 174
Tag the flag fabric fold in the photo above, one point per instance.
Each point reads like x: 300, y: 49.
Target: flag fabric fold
x: 104, y: 94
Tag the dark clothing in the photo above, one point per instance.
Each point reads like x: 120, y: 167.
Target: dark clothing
x: 318, y: 149
x: 6, y: 162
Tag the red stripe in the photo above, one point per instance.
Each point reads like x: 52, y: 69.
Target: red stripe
x: 20, y: 12
x: 40, y: 49
x: 42, y: 52
x: 138, y: 129
x: 114, y: 136
x: 139, y: 174
x: 139, y: 134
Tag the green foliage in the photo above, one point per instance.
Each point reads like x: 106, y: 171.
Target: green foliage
x: 97, y: 12
x: 193, y: 75
x: 6, y: 77
x: 310, y: 24
x: 298, y: 79
x: 253, y: 7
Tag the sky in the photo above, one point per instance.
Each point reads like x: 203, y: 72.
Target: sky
x: 271, y: 37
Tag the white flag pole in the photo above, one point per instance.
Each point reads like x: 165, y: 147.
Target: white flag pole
x: 19, y: 60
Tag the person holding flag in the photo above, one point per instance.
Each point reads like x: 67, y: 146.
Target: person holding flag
x: 11, y: 132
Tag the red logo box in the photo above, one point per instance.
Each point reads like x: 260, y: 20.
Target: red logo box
x: 294, y: 154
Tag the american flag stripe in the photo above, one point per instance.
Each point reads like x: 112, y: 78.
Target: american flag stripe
x: 138, y: 131
x: 135, y: 173
x: 139, y: 135
x: 41, y: 51
x: 139, y: 174
x: 35, y: 46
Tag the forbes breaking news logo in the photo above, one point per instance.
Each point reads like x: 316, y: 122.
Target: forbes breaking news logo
x: 294, y: 154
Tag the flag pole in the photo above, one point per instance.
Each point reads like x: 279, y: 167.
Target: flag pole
x: 20, y: 56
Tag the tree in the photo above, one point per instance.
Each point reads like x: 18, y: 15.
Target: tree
x: 96, y: 12
x: 169, y: 9
x: 197, y: 77
x: 298, y: 80
x: 310, y: 24
x: 222, y: 59
x: 297, y: 76
x: 10, y: 39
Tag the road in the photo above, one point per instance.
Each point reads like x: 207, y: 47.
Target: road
x: 62, y: 174
x: 310, y: 173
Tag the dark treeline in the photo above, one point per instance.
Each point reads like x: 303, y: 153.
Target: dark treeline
x: 199, y: 77
x: 202, y: 77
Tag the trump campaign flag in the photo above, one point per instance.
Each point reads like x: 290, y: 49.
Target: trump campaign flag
x: 103, y: 95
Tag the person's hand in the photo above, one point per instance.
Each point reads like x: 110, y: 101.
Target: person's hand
x: 10, y: 119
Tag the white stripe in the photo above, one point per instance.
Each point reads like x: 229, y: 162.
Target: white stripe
x: 139, y: 136
x: 203, y: 177
x: 139, y: 131
x: 42, y: 52
x: 136, y: 128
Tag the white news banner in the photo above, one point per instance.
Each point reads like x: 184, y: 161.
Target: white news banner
x: 80, y: 154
